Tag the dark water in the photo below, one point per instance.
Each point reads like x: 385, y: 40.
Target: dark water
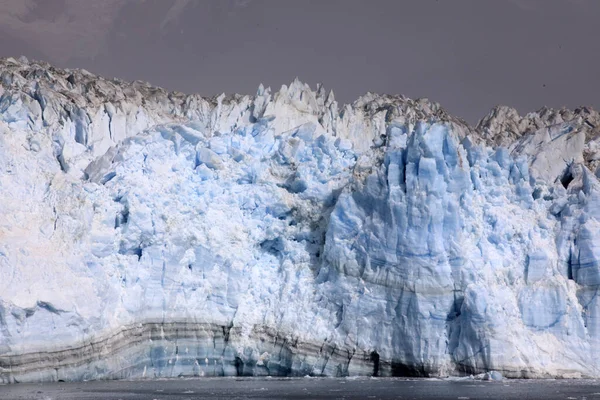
x: 307, y: 388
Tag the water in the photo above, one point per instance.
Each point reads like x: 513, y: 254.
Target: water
x: 306, y: 388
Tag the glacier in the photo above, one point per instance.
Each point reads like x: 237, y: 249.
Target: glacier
x: 148, y: 233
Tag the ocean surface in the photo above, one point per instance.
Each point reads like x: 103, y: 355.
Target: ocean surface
x: 307, y: 388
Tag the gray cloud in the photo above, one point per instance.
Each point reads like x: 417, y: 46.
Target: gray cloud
x: 469, y: 55
x: 174, y: 11
x: 60, y: 29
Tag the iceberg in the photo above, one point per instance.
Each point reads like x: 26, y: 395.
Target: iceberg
x: 147, y: 234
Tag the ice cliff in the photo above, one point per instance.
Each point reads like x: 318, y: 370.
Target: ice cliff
x: 153, y: 234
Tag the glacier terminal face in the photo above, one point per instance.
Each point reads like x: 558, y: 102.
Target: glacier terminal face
x: 154, y: 234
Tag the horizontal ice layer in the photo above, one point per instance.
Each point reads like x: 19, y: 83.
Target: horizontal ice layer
x: 147, y: 233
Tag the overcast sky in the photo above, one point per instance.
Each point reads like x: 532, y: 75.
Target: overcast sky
x: 469, y: 55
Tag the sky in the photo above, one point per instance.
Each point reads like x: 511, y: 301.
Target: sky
x: 468, y: 55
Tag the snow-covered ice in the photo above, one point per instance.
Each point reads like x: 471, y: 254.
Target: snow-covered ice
x: 154, y: 234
